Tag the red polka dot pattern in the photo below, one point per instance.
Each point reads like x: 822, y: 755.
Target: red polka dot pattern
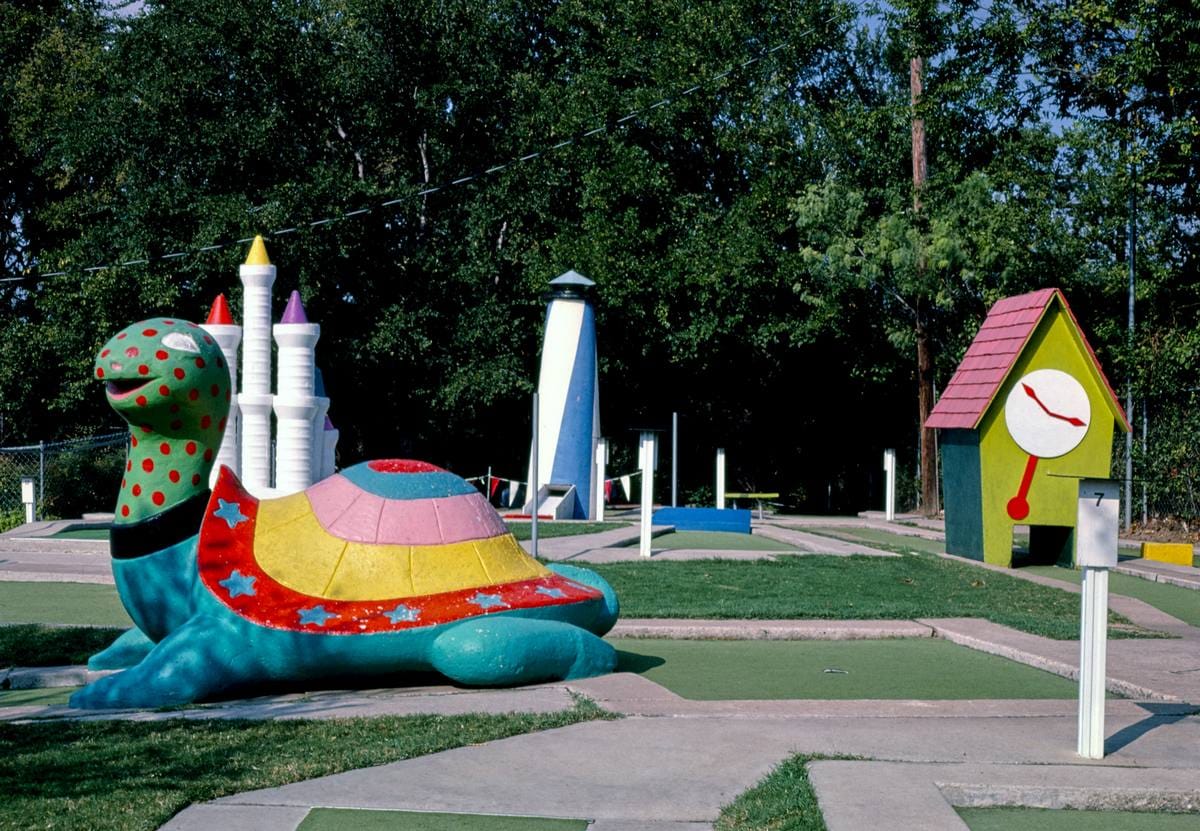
x: 148, y: 465
x: 179, y: 373
x: 158, y: 498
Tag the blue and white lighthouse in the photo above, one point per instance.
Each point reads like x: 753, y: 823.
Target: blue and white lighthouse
x: 568, y: 403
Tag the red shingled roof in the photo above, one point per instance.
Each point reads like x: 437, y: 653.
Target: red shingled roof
x: 1000, y: 339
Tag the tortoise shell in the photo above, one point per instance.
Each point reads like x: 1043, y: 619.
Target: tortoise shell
x: 382, y: 546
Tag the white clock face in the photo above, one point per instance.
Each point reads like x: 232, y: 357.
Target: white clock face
x: 1047, y: 413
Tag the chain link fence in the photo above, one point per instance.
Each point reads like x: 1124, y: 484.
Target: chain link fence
x: 70, y: 478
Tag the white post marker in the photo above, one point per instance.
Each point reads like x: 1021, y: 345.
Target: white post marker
x: 720, y: 478
x: 889, y: 491
x: 647, y: 455
x: 1095, y: 553
x: 674, y: 460
x: 533, y: 482
x: 598, y: 490
x: 27, y: 498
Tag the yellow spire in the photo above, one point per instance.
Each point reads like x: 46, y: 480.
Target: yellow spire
x: 258, y: 253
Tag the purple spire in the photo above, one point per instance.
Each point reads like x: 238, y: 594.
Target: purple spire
x: 329, y: 424
x: 294, y: 313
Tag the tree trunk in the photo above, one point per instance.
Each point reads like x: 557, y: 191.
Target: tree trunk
x: 929, y: 489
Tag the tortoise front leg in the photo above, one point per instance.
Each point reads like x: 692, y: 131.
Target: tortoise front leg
x: 199, y: 659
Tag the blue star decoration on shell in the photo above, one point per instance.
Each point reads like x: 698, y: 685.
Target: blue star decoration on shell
x: 238, y: 584
x: 550, y: 592
x: 487, y: 601
x: 316, y: 616
x: 231, y: 512
x: 402, y: 614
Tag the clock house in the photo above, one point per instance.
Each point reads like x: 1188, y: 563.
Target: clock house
x: 1028, y: 401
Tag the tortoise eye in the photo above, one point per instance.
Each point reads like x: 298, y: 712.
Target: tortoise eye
x: 180, y: 341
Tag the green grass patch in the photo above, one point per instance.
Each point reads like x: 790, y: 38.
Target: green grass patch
x: 922, y: 668
x: 783, y: 800
x: 339, y: 819
x: 82, y: 534
x: 846, y: 588
x: 718, y: 541
x: 42, y: 696
x: 546, y: 529
x: 1174, y: 600
x: 136, y: 775
x: 1043, y: 819
x: 77, y: 604
x: 35, y: 645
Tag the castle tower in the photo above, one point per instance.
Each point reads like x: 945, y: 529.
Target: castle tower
x: 258, y: 276
x: 319, y: 422
x: 569, y: 401
x: 295, y: 403
x: 227, y: 335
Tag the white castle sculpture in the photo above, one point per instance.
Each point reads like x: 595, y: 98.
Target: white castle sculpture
x: 305, y: 439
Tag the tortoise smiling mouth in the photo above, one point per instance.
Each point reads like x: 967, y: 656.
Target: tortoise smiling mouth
x: 124, y: 387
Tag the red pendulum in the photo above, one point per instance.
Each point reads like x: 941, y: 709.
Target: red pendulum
x: 1018, y: 506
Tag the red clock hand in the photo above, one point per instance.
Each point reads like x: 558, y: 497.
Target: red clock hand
x: 1018, y: 506
x: 1075, y: 422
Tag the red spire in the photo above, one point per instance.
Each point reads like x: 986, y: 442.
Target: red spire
x: 219, y: 313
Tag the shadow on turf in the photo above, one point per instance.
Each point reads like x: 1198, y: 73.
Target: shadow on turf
x: 636, y: 662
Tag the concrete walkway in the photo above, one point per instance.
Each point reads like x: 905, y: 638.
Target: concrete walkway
x: 39, y: 559
x: 672, y: 763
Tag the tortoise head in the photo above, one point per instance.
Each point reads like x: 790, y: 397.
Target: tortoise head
x: 167, y: 376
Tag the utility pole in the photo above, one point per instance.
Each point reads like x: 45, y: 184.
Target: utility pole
x: 929, y: 490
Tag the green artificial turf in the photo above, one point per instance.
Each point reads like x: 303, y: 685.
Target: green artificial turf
x: 880, y: 538
x: 846, y: 588
x: 1042, y: 819
x: 783, y: 800
x: 35, y: 645
x: 718, y: 541
x: 1174, y: 600
x: 82, y: 534
x: 339, y: 819
x: 124, y: 775
x: 81, y: 604
x: 42, y: 696
x: 922, y: 668
x: 548, y: 529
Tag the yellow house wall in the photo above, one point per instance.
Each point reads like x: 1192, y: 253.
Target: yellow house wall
x: 1052, y: 501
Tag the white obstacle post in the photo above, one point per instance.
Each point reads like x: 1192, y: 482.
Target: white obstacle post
x: 27, y: 497
x: 674, y: 460
x: 889, y: 473
x: 1095, y: 553
x: 647, y: 457
x: 598, y: 490
x: 533, y: 482
x: 720, y: 478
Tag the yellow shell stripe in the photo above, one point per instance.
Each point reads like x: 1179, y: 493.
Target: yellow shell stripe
x: 293, y: 549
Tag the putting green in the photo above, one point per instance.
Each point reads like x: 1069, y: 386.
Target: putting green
x: 44, y: 696
x: 83, y: 534
x: 86, y: 604
x: 1042, y: 819
x: 337, y: 819
x: 718, y: 541
x: 923, y: 668
x: 875, y: 536
x: 1174, y: 600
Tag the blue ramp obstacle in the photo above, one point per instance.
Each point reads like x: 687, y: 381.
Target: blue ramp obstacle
x: 704, y: 519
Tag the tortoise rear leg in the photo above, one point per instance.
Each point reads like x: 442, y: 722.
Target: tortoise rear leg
x: 501, y: 651
x: 127, y: 650
x: 197, y: 660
